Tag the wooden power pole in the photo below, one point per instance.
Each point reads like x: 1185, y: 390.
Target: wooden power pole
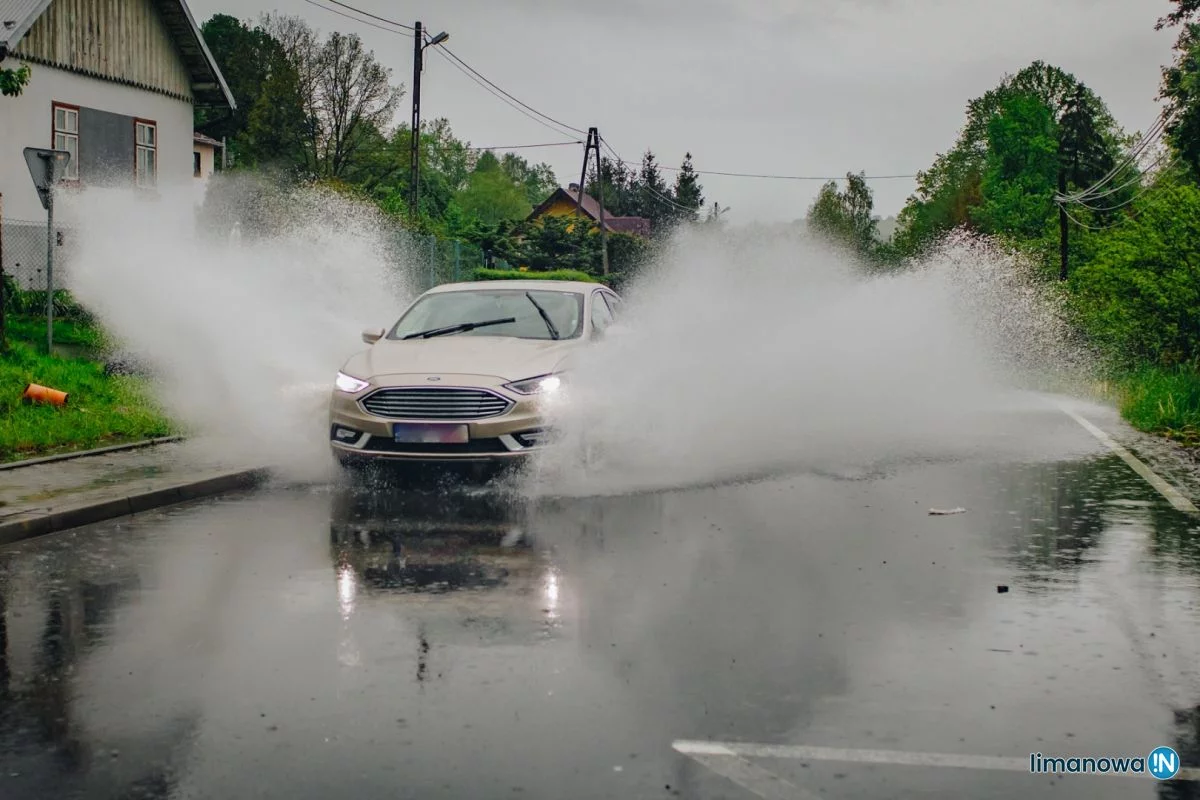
x: 593, y: 145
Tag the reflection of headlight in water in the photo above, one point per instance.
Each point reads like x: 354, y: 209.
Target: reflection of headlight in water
x: 347, y: 586
x: 550, y: 590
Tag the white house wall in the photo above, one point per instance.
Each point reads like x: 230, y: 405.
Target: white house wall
x: 26, y: 121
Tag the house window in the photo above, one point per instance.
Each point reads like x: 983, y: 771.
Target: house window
x: 196, y: 164
x: 66, y: 137
x: 146, y: 170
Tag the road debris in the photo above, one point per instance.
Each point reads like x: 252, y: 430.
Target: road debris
x: 944, y: 512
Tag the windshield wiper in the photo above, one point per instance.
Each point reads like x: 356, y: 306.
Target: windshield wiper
x: 459, y: 328
x: 545, y: 316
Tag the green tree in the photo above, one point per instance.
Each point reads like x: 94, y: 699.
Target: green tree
x: 618, y: 188
x: 269, y: 123
x: 1021, y: 169
x: 560, y: 243
x: 537, y: 181
x: 1085, y: 150
x: 844, y: 217
x: 948, y: 192
x: 14, y: 81
x: 652, y: 196
x: 1181, y: 91
x: 1185, y: 12
x: 688, y: 191
x: 1139, y: 292
x: 491, y: 194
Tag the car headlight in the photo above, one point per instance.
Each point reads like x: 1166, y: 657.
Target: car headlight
x: 542, y: 384
x: 349, y: 384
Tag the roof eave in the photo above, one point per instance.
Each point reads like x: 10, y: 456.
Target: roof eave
x: 15, y: 34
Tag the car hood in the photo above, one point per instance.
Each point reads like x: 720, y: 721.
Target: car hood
x: 502, y: 357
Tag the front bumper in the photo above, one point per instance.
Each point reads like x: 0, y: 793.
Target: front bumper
x: 357, y: 434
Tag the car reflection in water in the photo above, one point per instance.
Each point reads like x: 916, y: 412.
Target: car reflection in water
x: 466, y: 546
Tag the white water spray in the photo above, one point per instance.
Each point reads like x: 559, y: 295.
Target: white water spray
x: 244, y: 334
x: 745, y: 356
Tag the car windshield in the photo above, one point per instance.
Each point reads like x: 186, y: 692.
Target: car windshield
x: 440, y: 310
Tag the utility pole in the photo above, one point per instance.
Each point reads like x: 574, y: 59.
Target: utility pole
x: 419, y: 45
x: 415, y: 156
x: 593, y: 144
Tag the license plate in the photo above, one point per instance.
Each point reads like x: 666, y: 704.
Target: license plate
x: 429, y: 434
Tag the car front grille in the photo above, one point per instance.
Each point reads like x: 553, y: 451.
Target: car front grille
x: 435, y: 403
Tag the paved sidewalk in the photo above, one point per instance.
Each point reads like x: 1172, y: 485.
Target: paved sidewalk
x: 48, y: 497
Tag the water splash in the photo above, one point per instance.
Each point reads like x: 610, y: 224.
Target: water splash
x: 749, y: 355
x: 244, y: 332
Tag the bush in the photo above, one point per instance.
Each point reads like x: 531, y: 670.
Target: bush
x: 484, y: 274
x: 1138, y: 295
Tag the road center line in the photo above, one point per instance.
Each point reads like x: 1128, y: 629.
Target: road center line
x: 893, y: 757
x: 1168, y: 491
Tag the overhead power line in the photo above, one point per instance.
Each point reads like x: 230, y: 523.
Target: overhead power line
x: 778, y: 177
x: 524, y: 105
x: 372, y: 16
x: 361, y: 21
x: 504, y: 98
x: 1148, y: 140
x: 661, y: 197
x: 527, y: 146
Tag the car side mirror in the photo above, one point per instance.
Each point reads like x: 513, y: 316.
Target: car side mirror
x: 372, y: 335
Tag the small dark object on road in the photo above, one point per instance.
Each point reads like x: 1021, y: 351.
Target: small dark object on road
x: 1002, y: 589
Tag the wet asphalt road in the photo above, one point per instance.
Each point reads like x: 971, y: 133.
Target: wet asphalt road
x: 325, y: 641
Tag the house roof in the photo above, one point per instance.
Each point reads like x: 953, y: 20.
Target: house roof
x: 208, y: 84
x: 591, y: 207
x: 200, y: 138
x: 636, y: 225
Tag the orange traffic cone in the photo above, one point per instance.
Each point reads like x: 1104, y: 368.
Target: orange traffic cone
x: 44, y: 394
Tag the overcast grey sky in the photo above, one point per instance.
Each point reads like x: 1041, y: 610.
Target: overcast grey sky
x: 798, y: 87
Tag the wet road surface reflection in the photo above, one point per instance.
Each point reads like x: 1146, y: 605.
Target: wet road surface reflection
x: 315, y: 642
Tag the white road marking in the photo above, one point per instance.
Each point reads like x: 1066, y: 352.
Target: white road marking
x: 1165, y: 489
x: 894, y: 757
x: 753, y: 778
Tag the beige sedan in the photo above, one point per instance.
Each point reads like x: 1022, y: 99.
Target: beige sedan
x: 464, y: 374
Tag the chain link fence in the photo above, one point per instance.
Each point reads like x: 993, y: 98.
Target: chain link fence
x: 23, y: 254
x: 433, y: 261
x: 426, y: 260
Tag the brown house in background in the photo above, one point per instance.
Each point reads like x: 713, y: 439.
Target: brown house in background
x: 566, y: 203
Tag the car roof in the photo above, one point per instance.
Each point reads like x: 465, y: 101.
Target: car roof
x: 579, y: 287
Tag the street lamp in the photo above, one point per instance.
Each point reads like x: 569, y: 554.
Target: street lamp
x: 419, y: 45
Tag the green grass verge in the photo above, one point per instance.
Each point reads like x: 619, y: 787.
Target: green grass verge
x: 101, y: 410
x: 484, y: 274
x: 32, y: 330
x: 1162, y: 401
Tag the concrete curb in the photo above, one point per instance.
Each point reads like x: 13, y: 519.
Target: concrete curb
x: 41, y: 523
x: 116, y: 448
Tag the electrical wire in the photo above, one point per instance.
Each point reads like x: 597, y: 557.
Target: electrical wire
x: 1152, y: 137
x: 782, y: 177
x: 372, y: 16
x: 450, y: 53
x: 1136, y: 180
x: 474, y: 148
x: 356, y: 19
x: 526, y: 146
x: 662, y: 198
x: 516, y: 105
